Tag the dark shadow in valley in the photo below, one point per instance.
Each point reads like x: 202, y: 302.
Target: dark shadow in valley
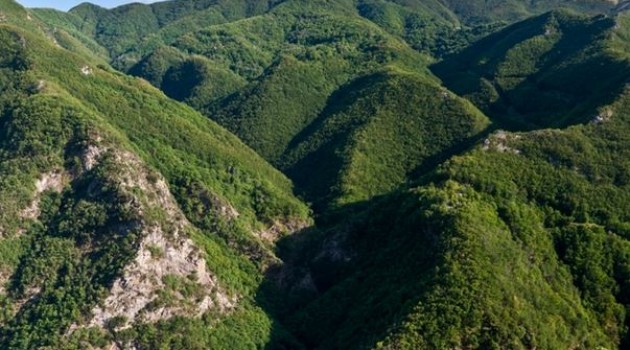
x: 349, y: 283
x: 314, y: 160
x: 572, y: 79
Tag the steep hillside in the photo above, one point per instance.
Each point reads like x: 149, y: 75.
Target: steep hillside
x: 512, y: 10
x: 123, y: 208
x: 132, y: 31
x: 442, y: 27
x: 522, y: 242
x: 294, y: 85
x: 552, y: 70
x: 375, y: 132
x: 129, y: 32
x: 451, y: 210
x: 272, y: 74
x: 557, y: 196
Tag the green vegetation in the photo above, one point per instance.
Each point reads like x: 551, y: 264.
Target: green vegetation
x: 434, y: 229
x: 512, y: 10
x: 495, y: 249
x: 272, y: 75
x: 62, y: 263
x: 550, y: 71
x: 362, y: 155
x: 129, y: 32
x: 275, y: 79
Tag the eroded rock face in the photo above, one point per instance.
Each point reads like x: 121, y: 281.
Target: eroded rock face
x: 157, y: 285
x: 500, y: 142
x: 85, y: 70
x: 138, y: 295
x: 92, y: 155
x: 51, y: 181
x: 169, y: 275
x: 279, y: 228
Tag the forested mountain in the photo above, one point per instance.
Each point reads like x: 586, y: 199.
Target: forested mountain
x: 323, y: 174
x: 119, y: 204
x: 550, y: 71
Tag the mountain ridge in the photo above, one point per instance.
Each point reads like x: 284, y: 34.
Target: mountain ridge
x: 438, y: 216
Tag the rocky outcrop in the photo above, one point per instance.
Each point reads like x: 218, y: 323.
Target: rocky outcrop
x: 51, y: 181
x: 500, y: 142
x: 139, y: 295
x: 280, y: 228
x: 168, y: 265
x: 85, y: 70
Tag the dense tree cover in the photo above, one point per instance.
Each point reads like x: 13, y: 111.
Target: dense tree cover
x: 443, y: 232
x: 522, y: 244
x: 474, y: 11
x: 276, y: 79
x: 132, y: 31
x: 409, y: 124
x: 128, y: 32
x: 273, y: 77
x: 272, y: 73
x: 427, y: 26
x: 57, y: 266
x: 553, y: 70
x: 67, y: 282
